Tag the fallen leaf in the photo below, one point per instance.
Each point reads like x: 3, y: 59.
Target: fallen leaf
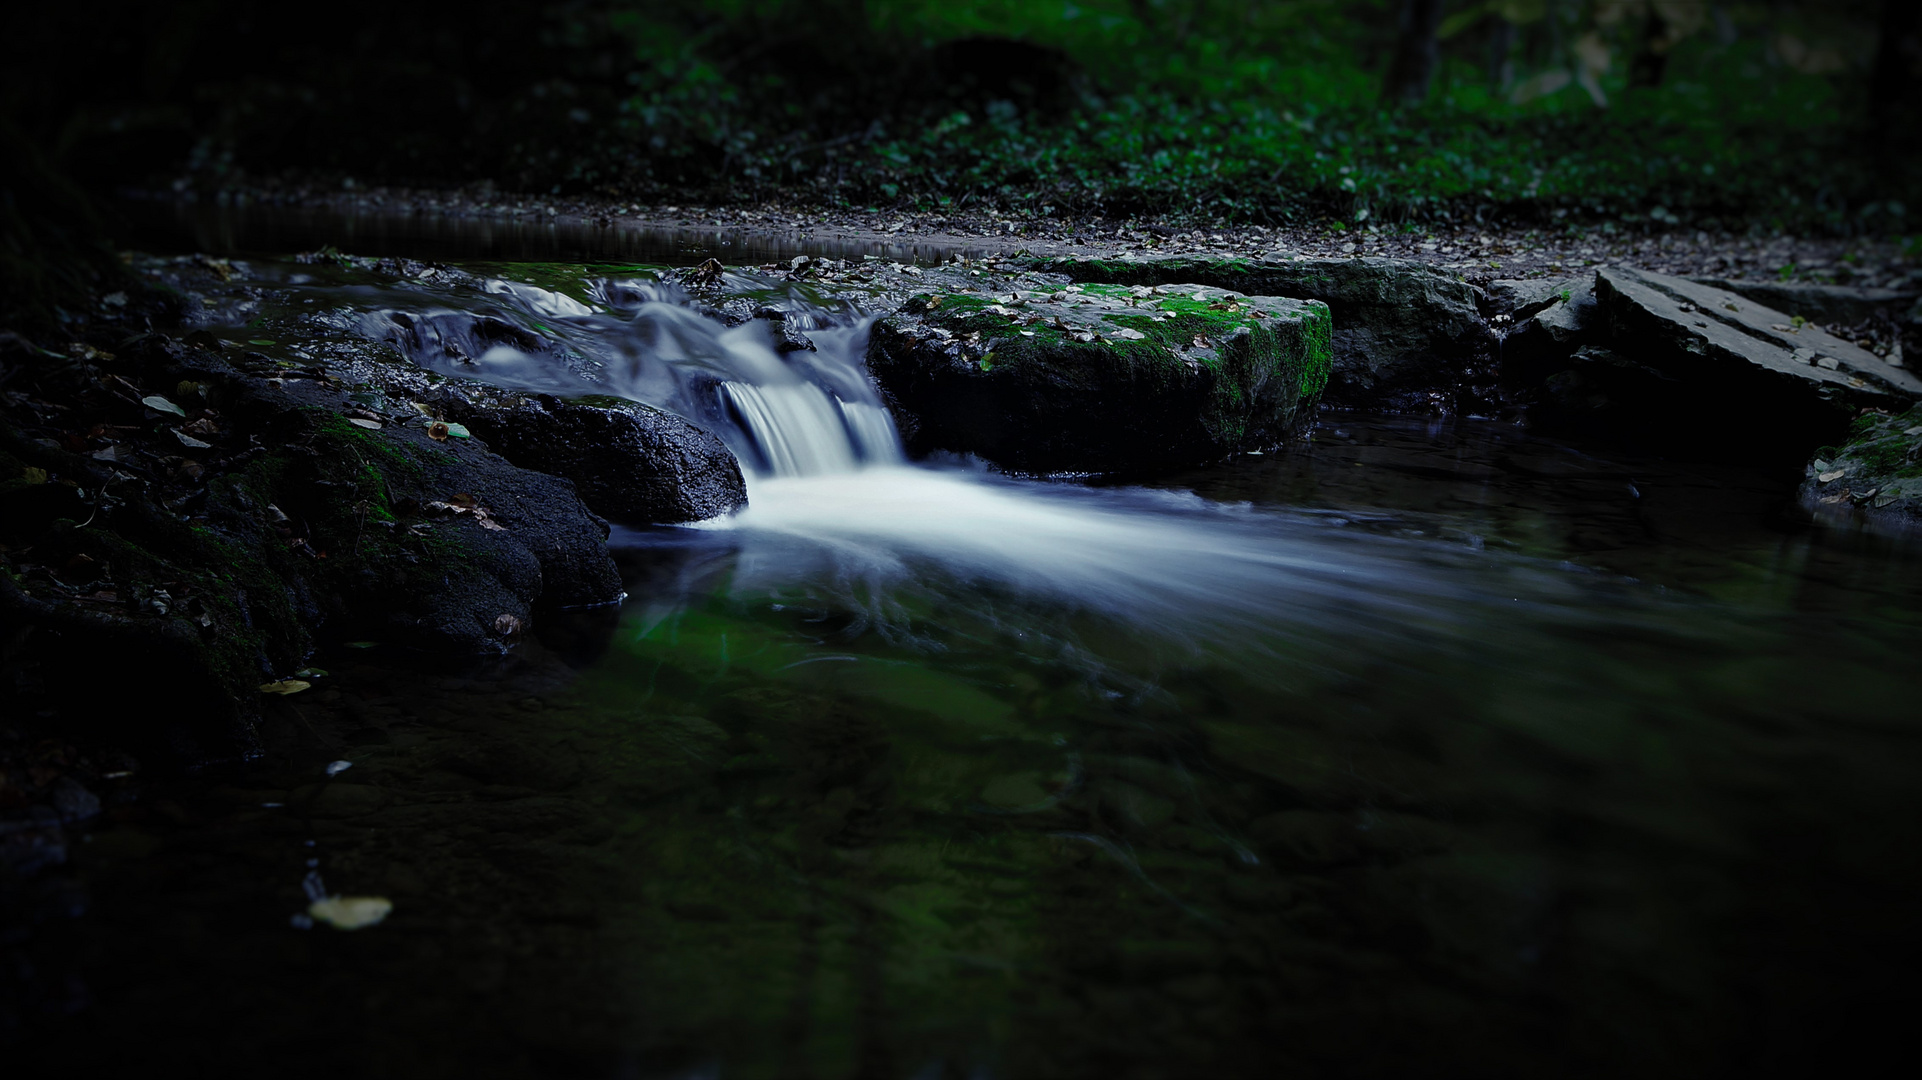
x: 1829, y: 477
x: 311, y: 673
x: 39, y: 476
x: 285, y: 686
x: 161, y: 404
x: 457, y: 431
x: 190, y: 442
x: 335, y: 768
x: 259, y: 341
x: 350, y: 912
x: 371, y: 425
x: 1128, y: 334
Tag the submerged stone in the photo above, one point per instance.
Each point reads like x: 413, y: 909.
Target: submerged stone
x: 1101, y: 378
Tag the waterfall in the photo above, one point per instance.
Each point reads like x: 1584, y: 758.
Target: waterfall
x: 799, y: 429
x: 803, y: 412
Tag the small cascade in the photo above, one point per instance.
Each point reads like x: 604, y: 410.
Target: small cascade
x: 806, y: 412
x: 799, y: 429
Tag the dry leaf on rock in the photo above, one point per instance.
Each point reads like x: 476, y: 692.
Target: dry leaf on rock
x: 350, y: 912
x: 285, y: 686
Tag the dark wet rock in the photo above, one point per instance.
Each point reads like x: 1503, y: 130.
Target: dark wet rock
x: 1101, y: 378
x: 440, y: 544
x: 1521, y: 299
x: 1838, y: 304
x: 1874, y: 477
x: 1406, y: 335
x: 72, y: 801
x: 1539, y: 345
x: 210, y: 568
x: 1568, y: 318
x: 631, y: 463
x: 1697, y: 320
x: 1660, y: 358
x: 32, y: 839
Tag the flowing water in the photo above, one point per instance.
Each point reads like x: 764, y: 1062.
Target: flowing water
x: 1428, y: 748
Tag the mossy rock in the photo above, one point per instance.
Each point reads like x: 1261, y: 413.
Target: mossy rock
x: 1406, y: 334
x: 1875, y: 476
x: 1102, y: 378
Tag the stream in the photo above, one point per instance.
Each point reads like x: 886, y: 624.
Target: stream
x: 1430, y: 747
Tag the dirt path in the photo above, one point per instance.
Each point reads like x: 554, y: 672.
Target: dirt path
x: 1478, y: 252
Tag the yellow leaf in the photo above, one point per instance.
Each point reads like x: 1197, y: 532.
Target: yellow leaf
x: 350, y: 912
x: 285, y: 686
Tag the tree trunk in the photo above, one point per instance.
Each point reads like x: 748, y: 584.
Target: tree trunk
x: 1897, y: 76
x: 1501, y: 45
x: 1651, y: 60
x: 1416, y: 53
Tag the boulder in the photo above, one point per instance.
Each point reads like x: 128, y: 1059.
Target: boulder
x: 1101, y: 378
x: 1521, y: 299
x: 1842, y: 305
x: 1551, y: 325
x: 631, y: 463
x: 441, y: 545
x: 1688, y: 357
x: 1406, y: 335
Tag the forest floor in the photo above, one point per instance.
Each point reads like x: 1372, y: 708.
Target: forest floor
x: 1479, y: 251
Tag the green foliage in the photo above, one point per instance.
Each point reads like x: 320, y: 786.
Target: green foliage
x: 1195, y: 110
x: 1254, y: 113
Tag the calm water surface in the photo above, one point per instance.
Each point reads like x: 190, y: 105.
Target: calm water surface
x: 1426, y: 749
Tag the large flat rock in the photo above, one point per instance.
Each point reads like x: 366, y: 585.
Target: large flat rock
x: 1101, y: 378
x: 1843, y: 304
x: 1405, y: 334
x: 1681, y: 353
x: 1757, y: 341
